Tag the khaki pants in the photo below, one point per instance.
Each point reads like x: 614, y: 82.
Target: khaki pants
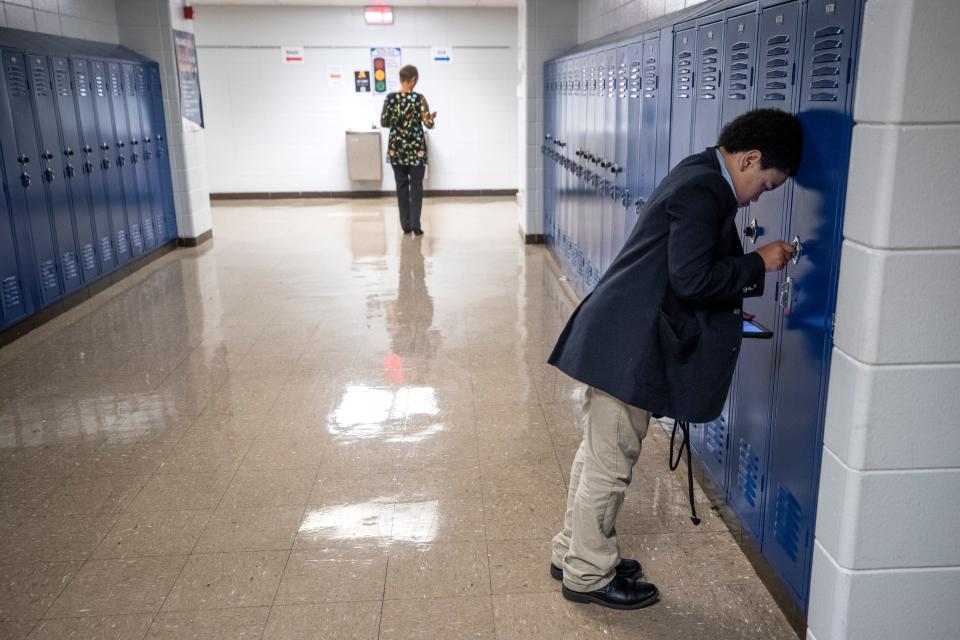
x: 587, y: 548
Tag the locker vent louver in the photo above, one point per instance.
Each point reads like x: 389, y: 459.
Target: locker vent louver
x: 148, y: 231
x: 161, y: 229
x: 741, y: 73
x: 825, y: 71
x: 48, y: 275
x: 622, y: 81
x: 786, y: 526
x: 11, y: 292
x: 684, y: 75
x: 115, y: 88
x: 129, y: 85
x: 122, y: 247
x: 709, y: 76
x: 82, y: 87
x: 100, y: 85
x: 748, y: 468
x: 41, y: 81
x: 16, y: 78
x: 106, y: 251
x: 89, y: 257
x: 778, y: 52
x: 69, y: 261
x: 142, y: 82
x: 62, y: 81
x: 650, y: 78
x: 715, y: 438
x: 135, y: 238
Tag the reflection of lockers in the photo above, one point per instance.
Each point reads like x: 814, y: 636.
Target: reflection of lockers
x: 84, y: 162
x: 683, y: 79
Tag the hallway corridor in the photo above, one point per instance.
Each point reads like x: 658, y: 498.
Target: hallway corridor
x: 313, y: 427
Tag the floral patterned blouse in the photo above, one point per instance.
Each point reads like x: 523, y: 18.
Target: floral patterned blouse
x: 404, y: 114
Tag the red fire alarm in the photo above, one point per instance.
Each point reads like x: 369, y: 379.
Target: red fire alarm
x: 188, y: 12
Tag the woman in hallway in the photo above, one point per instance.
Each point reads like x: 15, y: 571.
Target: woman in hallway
x: 406, y: 112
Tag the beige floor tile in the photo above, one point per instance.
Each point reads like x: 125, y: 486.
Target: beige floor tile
x: 26, y: 494
x: 221, y: 624
x: 508, y: 479
x: 205, y: 456
x: 437, y: 570
x: 438, y: 520
x: 182, y: 491
x: 521, y: 566
x: 333, y: 575
x: 258, y: 529
x: 354, y: 485
x: 126, y: 627
x: 41, y: 463
x: 215, y: 426
x: 523, y: 517
x: 113, y: 587
x: 224, y: 580
x: 547, y: 616
x: 27, y: 590
x: 284, y: 453
x: 347, y: 621
x: 467, y: 618
x: 439, y: 480
x: 347, y: 524
x: 16, y: 629
x: 270, y: 488
x: 121, y: 459
x: 56, y: 538
x: 153, y: 533
x: 93, y: 494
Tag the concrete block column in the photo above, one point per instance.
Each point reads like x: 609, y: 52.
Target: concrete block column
x: 886, y: 561
x: 146, y: 26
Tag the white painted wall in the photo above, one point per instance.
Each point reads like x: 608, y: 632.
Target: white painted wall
x: 599, y: 18
x: 274, y: 127
x: 886, y: 562
x: 87, y: 19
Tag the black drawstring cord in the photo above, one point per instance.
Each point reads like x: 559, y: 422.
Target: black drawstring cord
x: 685, y: 428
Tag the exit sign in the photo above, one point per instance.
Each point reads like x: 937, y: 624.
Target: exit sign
x: 378, y: 14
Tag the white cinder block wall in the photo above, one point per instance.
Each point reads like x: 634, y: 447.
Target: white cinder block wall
x: 547, y: 28
x: 86, y: 19
x: 280, y: 128
x: 887, y: 561
x: 599, y: 18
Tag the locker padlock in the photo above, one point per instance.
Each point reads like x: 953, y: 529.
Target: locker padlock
x: 23, y: 159
x: 121, y: 161
x: 48, y: 175
x: 105, y: 163
x: 615, y: 193
x: 26, y: 180
x: 71, y: 171
x: 46, y: 155
x: 626, y: 198
x: 752, y: 231
x: 639, y: 204
x: 68, y: 152
x: 797, y: 248
x: 785, y: 296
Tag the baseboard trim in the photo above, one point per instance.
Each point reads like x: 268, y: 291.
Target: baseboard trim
x: 428, y: 193
x: 196, y: 242
x: 81, y: 295
x: 532, y: 238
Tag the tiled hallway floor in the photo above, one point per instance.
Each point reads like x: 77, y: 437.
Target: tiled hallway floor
x: 316, y: 428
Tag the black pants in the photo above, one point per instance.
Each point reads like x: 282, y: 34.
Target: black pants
x: 409, y: 195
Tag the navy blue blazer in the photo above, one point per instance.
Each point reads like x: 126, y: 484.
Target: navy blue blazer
x: 662, y: 329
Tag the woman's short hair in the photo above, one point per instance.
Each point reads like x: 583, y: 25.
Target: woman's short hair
x: 408, y: 73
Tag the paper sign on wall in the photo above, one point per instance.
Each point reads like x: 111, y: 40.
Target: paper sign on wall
x: 292, y: 54
x: 361, y: 81
x: 334, y: 75
x: 385, y: 62
x: 441, y: 55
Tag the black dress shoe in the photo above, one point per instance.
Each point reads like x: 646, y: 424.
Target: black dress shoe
x: 418, y: 232
x: 619, y: 593
x: 627, y: 568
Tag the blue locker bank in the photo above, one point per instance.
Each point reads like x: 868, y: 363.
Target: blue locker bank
x: 83, y: 155
x: 619, y: 114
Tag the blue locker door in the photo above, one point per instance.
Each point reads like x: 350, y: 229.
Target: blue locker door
x: 87, y: 163
x: 634, y: 136
x: 52, y: 171
x: 563, y: 223
x: 14, y: 304
x: 809, y: 291
x: 132, y: 88
x: 622, y: 153
x: 740, y: 61
x: 105, y: 159
x: 611, y: 224
x: 708, y: 88
x: 71, y: 153
x: 684, y: 90
x: 23, y: 161
x: 151, y: 168
x: 763, y: 223
x: 160, y: 156
x: 664, y: 103
x: 545, y: 159
x: 128, y: 176
x: 650, y: 103
x: 580, y: 188
x: 587, y: 210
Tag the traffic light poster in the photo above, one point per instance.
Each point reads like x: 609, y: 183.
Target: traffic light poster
x: 385, y: 65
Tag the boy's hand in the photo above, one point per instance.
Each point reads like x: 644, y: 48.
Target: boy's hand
x: 775, y: 255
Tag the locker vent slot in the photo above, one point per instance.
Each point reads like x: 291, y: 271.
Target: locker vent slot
x: 777, y: 58
x: 161, y: 229
x: 82, y: 88
x: 747, y: 474
x: 115, y: 88
x: 41, y: 81
x: 69, y: 261
x: 715, y: 438
x: 142, y: 81
x: 737, y: 85
x: 89, y: 257
x: 11, y: 292
x: 778, y: 39
x: 48, y: 275
x: 826, y: 64
x: 828, y: 31
x: 62, y: 81
x: 786, y: 526
x: 100, y: 85
x: 122, y: 247
x: 16, y: 79
x: 148, y: 231
x: 106, y: 251
x: 135, y: 238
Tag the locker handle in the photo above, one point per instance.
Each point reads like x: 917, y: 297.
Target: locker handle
x: 87, y: 148
x: 105, y: 163
x: 23, y: 159
x: 71, y: 171
x: 639, y: 205
x: 26, y: 180
x: 46, y: 155
x: 88, y: 166
x: 146, y: 155
x: 68, y: 152
x: 134, y: 158
x: 134, y: 142
x: 49, y: 175
x: 797, y: 248
x: 752, y: 231
x: 121, y: 144
x: 104, y: 146
x: 626, y: 198
x: 785, y: 295
x: 147, y: 140
x: 121, y: 161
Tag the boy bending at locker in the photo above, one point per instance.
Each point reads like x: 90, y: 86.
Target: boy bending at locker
x: 660, y: 334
